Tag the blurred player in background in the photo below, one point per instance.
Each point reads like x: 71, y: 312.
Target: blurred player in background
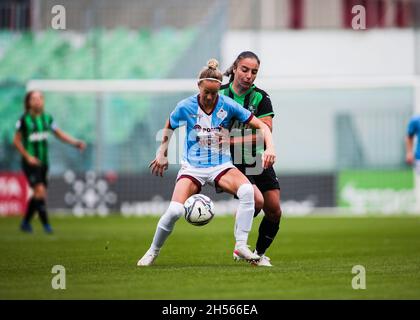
x: 412, y: 155
x: 207, y: 160
x: 31, y: 141
x: 413, y: 130
x: 241, y: 88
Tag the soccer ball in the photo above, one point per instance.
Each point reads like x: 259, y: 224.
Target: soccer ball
x: 199, y: 210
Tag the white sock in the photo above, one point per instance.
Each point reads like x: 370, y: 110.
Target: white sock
x: 245, y: 213
x: 166, y: 225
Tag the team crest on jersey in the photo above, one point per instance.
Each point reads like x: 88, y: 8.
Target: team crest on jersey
x: 221, y: 114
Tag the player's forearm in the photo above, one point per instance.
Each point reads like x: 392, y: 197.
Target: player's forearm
x: 19, y: 146
x: 409, y: 142
x: 66, y: 138
x: 260, y: 125
x: 163, y: 149
x: 251, y: 139
x: 166, y: 138
x: 268, y: 137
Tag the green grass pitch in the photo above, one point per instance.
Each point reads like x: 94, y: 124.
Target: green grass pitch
x: 313, y: 259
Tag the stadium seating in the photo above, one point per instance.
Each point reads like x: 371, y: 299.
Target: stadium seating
x: 119, y: 54
x: 108, y: 54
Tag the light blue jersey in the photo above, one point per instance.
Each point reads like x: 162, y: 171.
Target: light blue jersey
x: 414, y: 129
x: 202, y: 148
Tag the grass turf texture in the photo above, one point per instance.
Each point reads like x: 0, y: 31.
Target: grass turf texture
x: 312, y: 257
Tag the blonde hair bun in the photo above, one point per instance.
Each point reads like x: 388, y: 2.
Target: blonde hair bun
x: 212, y: 64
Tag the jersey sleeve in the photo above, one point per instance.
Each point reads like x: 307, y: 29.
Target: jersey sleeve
x: 412, y: 127
x: 52, y: 125
x: 240, y: 113
x: 19, y: 125
x: 265, y: 108
x: 177, y: 117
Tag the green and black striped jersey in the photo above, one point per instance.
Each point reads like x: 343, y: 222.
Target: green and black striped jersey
x: 34, y: 130
x: 258, y: 102
x: 254, y: 99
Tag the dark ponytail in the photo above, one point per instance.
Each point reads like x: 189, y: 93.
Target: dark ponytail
x: 242, y: 55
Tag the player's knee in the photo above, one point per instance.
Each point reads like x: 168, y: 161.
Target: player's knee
x: 273, y: 214
x: 40, y: 192
x: 171, y: 215
x: 245, y: 193
x: 259, y: 202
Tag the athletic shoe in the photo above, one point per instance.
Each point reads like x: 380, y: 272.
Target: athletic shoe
x: 263, y: 262
x: 26, y: 227
x: 48, y: 229
x: 243, y: 252
x: 148, y: 259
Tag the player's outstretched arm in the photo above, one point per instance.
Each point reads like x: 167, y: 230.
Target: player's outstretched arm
x: 269, y: 155
x: 17, y: 141
x: 160, y: 163
x: 60, y: 134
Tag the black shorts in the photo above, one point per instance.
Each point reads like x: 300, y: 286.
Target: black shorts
x: 35, y: 174
x: 265, y: 181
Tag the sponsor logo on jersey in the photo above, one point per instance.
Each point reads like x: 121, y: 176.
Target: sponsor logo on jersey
x: 199, y: 128
x: 38, y: 136
x: 209, y: 130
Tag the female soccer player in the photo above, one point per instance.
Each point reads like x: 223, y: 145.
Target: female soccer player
x: 31, y: 141
x: 241, y: 88
x: 205, y: 160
